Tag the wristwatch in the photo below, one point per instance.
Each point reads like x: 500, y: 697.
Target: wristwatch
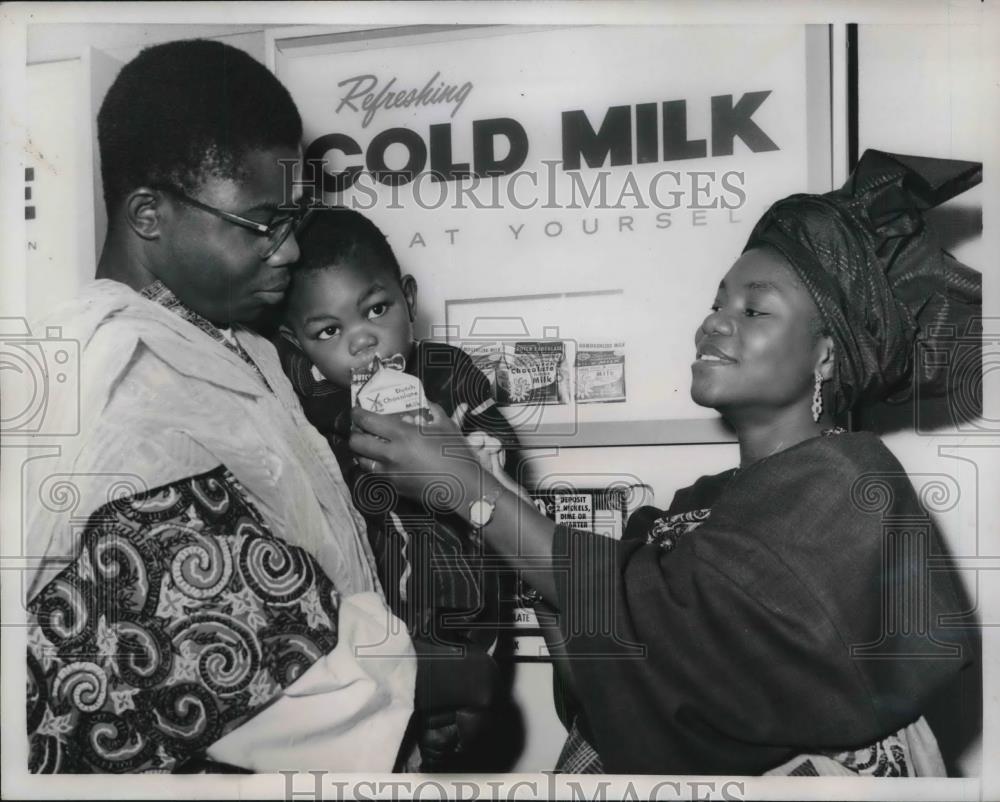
x: 481, y: 510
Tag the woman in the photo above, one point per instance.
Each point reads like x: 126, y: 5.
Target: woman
x: 771, y: 639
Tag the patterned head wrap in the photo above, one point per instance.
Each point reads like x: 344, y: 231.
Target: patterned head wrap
x: 877, y: 273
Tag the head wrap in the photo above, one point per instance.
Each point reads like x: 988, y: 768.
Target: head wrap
x: 877, y: 273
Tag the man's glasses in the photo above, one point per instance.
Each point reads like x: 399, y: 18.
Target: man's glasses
x: 272, y: 235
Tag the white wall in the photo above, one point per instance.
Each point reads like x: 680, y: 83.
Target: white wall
x: 54, y: 234
x: 70, y: 67
x: 923, y: 91
x: 60, y: 41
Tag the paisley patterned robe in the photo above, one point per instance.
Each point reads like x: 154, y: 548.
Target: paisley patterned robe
x: 206, y: 595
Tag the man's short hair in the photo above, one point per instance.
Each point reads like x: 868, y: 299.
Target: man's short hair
x: 184, y: 111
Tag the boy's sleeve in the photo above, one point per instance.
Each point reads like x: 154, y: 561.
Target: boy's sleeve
x: 472, y: 389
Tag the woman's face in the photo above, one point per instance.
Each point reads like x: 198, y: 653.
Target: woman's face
x: 757, y: 351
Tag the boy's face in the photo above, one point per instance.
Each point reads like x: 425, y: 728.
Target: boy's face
x: 346, y: 313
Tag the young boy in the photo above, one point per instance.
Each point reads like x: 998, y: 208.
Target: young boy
x: 349, y: 302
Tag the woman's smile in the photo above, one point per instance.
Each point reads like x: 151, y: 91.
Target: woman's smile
x: 709, y: 355
x: 762, y: 322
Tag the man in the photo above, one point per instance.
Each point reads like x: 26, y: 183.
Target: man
x: 218, y: 610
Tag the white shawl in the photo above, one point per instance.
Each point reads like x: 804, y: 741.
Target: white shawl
x: 161, y: 400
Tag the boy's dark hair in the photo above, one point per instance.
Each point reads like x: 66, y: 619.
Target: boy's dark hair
x: 336, y: 234
x: 182, y: 111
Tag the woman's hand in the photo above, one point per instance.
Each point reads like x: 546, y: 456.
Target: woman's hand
x: 429, y: 460
x: 421, y: 456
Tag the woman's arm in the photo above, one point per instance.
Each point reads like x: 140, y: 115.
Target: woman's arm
x: 417, y: 456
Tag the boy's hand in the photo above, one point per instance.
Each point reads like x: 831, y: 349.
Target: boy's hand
x: 487, y: 449
x: 491, y: 454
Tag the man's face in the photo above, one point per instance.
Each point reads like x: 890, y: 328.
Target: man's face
x: 214, y: 266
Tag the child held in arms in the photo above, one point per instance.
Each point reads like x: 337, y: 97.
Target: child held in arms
x: 349, y: 316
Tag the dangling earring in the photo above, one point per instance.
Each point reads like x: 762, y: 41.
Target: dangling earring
x: 817, y: 407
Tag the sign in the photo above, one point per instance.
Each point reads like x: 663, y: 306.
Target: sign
x: 590, y: 164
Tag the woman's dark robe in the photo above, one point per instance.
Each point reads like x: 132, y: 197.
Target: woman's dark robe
x: 807, y: 613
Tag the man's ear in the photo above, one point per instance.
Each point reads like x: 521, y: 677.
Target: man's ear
x: 143, y: 208
x: 827, y: 357
x: 409, y: 285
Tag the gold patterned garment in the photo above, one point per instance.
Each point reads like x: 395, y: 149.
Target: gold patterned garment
x: 181, y: 618
x: 163, y: 398
x: 256, y: 637
x: 910, y: 752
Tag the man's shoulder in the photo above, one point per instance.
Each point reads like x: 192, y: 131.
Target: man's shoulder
x: 120, y: 333
x: 95, y: 305
x: 103, y: 326
x: 107, y: 318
